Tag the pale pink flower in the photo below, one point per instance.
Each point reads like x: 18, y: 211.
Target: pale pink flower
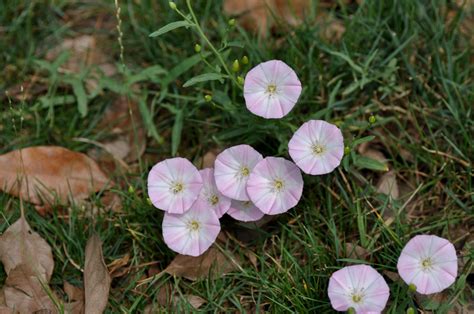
x: 244, y: 211
x: 317, y: 147
x: 232, y: 169
x: 210, y: 198
x: 174, y: 184
x: 275, y: 185
x: 428, y: 262
x: 271, y: 89
x: 191, y: 233
x: 359, y: 287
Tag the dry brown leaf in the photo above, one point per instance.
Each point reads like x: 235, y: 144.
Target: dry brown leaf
x: 27, y: 292
x: 76, y: 298
x: 6, y: 310
x: 38, y: 174
x: 388, y: 185
x: 117, y: 267
x: 96, y: 277
x: 84, y: 51
x: 20, y: 245
x: 355, y: 251
x: 212, y: 262
x: 126, y: 136
x: 209, y: 158
x: 169, y: 299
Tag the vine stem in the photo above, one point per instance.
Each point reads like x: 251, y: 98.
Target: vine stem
x: 214, y: 50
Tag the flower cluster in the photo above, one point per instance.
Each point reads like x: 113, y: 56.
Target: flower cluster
x: 428, y: 264
x: 243, y: 183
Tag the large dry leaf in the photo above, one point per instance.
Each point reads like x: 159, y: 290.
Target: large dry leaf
x: 39, y: 174
x: 20, y: 245
x: 27, y: 292
x: 96, y: 277
x: 388, y: 185
x: 212, y: 262
x: 76, y: 298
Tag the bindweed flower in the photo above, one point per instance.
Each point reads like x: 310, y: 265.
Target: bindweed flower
x: 359, y: 287
x: 173, y: 185
x: 428, y: 262
x: 244, y: 211
x: 317, y: 147
x: 210, y: 198
x: 191, y: 233
x: 271, y: 89
x: 275, y: 185
x: 232, y: 169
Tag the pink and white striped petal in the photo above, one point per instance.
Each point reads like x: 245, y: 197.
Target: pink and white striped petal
x: 174, y: 185
x: 232, y: 169
x: 210, y: 198
x: 244, y: 211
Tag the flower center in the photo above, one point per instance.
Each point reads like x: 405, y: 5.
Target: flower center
x: 278, y: 185
x: 244, y: 171
x: 271, y: 89
x: 356, y: 298
x: 317, y: 149
x: 214, y: 200
x: 426, y: 264
x: 177, y: 187
x: 246, y: 204
x: 194, y: 225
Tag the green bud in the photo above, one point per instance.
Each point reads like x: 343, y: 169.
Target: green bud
x: 172, y: 5
x: 208, y: 98
x: 197, y: 48
x: 351, y: 310
x: 411, y: 310
x: 347, y: 150
x: 240, y: 79
x: 236, y: 66
x: 372, y: 119
x: 148, y: 200
x: 245, y: 60
x: 411, y: 288
x: 231, y: 22
x: 131, y: 189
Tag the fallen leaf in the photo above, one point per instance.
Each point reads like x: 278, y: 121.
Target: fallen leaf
x: 212, y: 262
x: 209, y: 158
x: 26, y: 292
x: 19, y: 245
x: 117, y: 267
x: 6, y: 310
x: 76, y: 298
x: 169, y: 299
x: 43, y: 173
x: 395, y: 277
x: 125, y: 133
x: 355, y: 251
x: 388, y: 185
x: 96, y: 277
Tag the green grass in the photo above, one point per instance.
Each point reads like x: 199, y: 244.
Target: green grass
x: 398, y: 60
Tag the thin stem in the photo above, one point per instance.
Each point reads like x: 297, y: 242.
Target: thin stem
x: 214, y: 50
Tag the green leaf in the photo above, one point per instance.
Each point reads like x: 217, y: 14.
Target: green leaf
x: 183, y: 67
x: 204, y: 78
x: 363, y: 140
x: 176, y: 132
x: 148, y: 120
x: 81, y: 96
x: 363, y: 162
x: 237, y: 44
x: 169, y: 27
x: 146, y: 74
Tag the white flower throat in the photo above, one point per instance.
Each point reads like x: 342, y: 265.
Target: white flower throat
x: 176, y: 187
x: 271, y: 89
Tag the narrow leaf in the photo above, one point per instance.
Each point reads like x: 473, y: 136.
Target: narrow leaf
x: 204, y: 78
x: 176, y: 132
x: 363, y: 140
x: 81, y: 96
x: 169, y: 27
x: 362, y: 162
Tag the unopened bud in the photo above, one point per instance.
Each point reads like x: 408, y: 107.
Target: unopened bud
x: 411, y: 310
x: 197, y: 48
x: 351, y: 310
x: 240, y: 80
x: 231, y: 22
x: 131, y: 189
x: 347, y: 150
x: 372, y: 119
x: 172, y: 5
x: 236, y: 66
x: 411, y: 288
x: 245, y: 60
x: 148, y: 200
x: 208, y: 98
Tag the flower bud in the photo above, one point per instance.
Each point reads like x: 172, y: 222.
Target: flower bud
x: 131, y: 189
x: 231, y: 22
x: 236, y: 66
x: 351, y: 310
x: 172, y: 5
x: 245, y: 60
x: 411, y: 310
x: 197, y: 48
x: 347, y: 150
x: 372, y: 119
x: 148, y: 201
x: 240, y: 79
x: 412, y: 288
x: 208, y: 98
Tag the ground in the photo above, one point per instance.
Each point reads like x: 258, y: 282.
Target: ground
x: 406, y: 64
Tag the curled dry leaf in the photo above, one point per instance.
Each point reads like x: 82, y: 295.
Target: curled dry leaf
x: 20, y: 245
x: 26, y: 292
x: 42, y: 174
x: 212, y: 262
x: 76, y: 298
x: 388, y: 185
x: 96, y: 277
x: 355, y: 251
x: 117, y: 267
x: 169, y: 299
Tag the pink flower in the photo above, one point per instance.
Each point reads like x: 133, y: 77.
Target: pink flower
x: 275, y: 185
x: 232, y: 169
x: 209, y: 197
x: 191, y: 233
x: 271, y: 89
x: 317, y: 147
x: 174, y: 184
x: 428, y: 262
x: 359, y: 287
x: 244, y: 211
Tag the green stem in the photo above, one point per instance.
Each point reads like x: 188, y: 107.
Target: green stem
x: 214, y: 50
